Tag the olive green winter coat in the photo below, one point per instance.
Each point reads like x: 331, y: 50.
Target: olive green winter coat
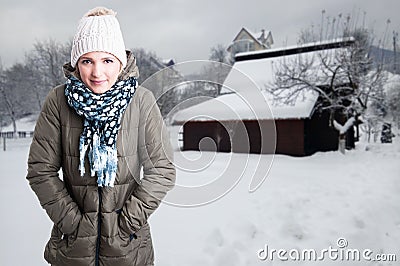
x: 100, y: 225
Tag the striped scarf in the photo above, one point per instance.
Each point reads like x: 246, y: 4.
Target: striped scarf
x: 102, y: 114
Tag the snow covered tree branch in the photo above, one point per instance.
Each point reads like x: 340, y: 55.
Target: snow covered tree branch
x: 343, y: 76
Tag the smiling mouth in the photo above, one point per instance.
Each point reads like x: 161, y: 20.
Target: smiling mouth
x: 97, y: 82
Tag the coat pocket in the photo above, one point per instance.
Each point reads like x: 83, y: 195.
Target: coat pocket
x: 145, y: 247
x: 126, y: 238
x: 50, y: 251
x: 80, y: 243
x: 140, y: 246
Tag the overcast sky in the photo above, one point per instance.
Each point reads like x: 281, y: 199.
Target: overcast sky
x: 181, y: 29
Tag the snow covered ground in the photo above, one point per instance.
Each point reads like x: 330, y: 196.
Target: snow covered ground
x: 305, y: 203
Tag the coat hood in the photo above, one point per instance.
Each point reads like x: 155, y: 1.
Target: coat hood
x: 131, y: 69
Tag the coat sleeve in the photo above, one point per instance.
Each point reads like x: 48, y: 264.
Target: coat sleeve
x: 44, y: 162
x: 156, y: 157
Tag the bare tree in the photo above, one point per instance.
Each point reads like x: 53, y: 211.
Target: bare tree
x: 23, y: 86
x: 2, y: 101
x: 160, y: 78
x: 343, y: 78
x: 219, y: 53
x: 217, y: 72
x: 45, y: 61
x: 148, y: 63
x: 393, y: 100
x: 16, y: 92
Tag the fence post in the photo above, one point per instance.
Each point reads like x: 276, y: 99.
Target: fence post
x: 4, y: 143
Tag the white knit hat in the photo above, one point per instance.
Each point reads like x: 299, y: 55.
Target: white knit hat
x: 98, y: 32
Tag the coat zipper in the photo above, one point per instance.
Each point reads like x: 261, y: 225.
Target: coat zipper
x: 97, y: 262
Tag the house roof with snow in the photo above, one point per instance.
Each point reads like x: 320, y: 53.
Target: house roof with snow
x: 245, y: 96
x: 263, y: 38
x: 295, y: 49
x: 246, y: 106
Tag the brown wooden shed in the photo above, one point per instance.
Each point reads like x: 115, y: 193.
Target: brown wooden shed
x: 296, y: 137
x: 292, y: 129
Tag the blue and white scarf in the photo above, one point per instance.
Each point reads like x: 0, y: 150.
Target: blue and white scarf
x: 102, y: 113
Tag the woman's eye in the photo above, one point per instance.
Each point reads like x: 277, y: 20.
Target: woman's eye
x: 85, y: 61
x: 108, y: 61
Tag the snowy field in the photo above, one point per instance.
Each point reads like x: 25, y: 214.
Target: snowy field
x: 304, y: 203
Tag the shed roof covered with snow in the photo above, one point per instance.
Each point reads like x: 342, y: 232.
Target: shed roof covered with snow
x: 247, y: 106
x: 245, y: 95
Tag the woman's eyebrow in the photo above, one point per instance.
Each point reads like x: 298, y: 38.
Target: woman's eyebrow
x: 90, y: 58
x: 86, y: 58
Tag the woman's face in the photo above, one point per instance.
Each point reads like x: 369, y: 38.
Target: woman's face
x: 99, y: 70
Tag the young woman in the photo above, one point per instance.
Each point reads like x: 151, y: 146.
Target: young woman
x: 101, y: 129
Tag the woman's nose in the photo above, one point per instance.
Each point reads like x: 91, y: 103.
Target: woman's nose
x: 96, y: 70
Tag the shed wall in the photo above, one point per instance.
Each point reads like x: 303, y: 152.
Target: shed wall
x: 296, y: 137
x: 290, y: 137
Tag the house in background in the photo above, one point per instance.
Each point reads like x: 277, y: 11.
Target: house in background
x: 247, y: 41
x: 161, y: 64
x: 248, y: 119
